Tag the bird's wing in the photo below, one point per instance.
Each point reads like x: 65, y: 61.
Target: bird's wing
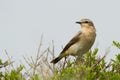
x: 72, y: 41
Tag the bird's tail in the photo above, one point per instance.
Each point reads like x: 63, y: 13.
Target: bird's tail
x: 54, y: 61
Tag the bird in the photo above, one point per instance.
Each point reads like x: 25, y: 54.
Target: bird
x: 81, y: 42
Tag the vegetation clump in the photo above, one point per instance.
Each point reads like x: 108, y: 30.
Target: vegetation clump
x: 90, y: 67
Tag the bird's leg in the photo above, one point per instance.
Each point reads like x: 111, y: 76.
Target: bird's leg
x: 64, y: 62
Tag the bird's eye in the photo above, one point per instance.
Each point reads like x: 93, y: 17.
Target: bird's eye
x: 86, y: 22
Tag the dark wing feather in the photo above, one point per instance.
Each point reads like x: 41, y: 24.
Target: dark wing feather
x: 72, y: 41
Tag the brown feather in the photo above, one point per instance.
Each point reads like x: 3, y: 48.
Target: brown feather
x: 72, y: 41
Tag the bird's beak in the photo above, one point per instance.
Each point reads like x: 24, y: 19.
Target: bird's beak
x: 78, y: 22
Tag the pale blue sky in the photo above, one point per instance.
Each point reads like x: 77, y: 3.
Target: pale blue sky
x: 23, y: 21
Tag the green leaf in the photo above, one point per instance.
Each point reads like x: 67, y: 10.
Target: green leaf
x: 115, y: 43
x: 0, y: 62
x: 118, y: 57
x: 36, y: 77
x: 95, y: 51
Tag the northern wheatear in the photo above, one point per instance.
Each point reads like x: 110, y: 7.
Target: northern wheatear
x: 81, y: 42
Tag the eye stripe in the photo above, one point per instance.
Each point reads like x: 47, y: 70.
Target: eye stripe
x: 86, y: 22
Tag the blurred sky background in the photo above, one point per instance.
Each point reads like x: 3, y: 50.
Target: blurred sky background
x: 22, y: 22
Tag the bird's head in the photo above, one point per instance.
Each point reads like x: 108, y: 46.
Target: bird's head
x: 85, y: 22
